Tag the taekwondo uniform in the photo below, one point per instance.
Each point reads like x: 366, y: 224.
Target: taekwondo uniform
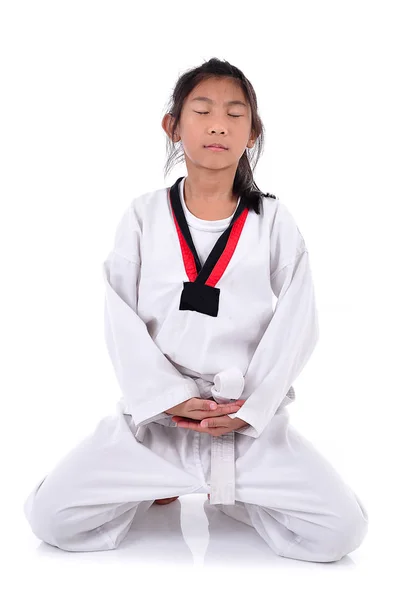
x: 189, y: 312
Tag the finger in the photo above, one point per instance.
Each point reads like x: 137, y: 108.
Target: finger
x: 197, y: 416
x: 211, y: 405
x: 225, y: 405
x: 189, y: 425
x: 177, y: 419
x: 220, y: 409
x: 215, y: 422
x: 185, y: 420
x: 226, y: 409
x: 213, y: 431
x: 208, y: 405
x: 197, y: 404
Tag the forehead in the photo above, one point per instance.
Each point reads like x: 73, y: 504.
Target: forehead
x: 218, y: 90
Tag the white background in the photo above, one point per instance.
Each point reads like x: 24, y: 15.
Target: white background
x: 84, y: 88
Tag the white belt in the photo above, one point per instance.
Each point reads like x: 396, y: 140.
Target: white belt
x: 228, y: 386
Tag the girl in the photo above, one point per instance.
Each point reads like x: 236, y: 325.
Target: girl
x: 204, y: 362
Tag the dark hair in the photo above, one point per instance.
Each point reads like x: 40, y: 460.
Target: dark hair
x: 243, y: 183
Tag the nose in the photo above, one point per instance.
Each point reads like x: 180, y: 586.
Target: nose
x: 216, y: 130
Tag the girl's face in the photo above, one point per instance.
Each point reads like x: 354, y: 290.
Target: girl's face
x: 226, y: 120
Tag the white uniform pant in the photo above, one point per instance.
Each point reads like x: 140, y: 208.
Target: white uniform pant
x: 285, y: 489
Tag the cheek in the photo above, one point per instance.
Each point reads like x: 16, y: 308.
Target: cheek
x: 192, y: 143
x: 192, y: 133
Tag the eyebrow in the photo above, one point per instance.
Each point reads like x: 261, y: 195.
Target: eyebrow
x: 228, y: 103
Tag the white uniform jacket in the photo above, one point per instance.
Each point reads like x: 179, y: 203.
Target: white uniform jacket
x: 164, y: 351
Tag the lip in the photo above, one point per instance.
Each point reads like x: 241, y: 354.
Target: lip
x: 216, y: 147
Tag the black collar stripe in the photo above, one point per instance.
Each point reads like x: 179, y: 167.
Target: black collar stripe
x: 188, y: 259
x: 226, y: 256
x: 220, y: 255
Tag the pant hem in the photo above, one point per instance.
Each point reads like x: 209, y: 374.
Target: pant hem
x: 106, y: 537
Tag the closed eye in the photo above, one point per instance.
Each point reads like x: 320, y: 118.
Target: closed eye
x: 206, y: 113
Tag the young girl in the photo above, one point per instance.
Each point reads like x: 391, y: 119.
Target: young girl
x: 204, y: 362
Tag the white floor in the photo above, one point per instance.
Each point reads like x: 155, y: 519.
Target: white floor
x: 186, y: 548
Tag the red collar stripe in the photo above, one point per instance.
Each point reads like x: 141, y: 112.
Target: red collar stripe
x: 224, y: 259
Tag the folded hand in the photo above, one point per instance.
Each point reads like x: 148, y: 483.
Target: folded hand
x: 214, y: 426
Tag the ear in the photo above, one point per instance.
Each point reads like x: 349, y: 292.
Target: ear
x: 167, y: 124
x: 252, y: 140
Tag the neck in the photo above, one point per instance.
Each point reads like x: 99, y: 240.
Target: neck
x: 209, y: 191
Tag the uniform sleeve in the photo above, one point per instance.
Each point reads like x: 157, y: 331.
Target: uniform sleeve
x: 292, y: 332
x: 149, y: 382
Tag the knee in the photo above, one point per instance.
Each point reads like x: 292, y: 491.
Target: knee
x: 49, y: 521
x: 349, y: 529
x: 62, y: 525
x: 41, y: 516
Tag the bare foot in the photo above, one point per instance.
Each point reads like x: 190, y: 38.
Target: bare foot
x: 168, y: 500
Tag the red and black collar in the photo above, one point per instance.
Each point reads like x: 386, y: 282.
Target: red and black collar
x: 199, y: 293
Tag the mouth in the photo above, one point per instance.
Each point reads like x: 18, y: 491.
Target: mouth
x: 216, y: 147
